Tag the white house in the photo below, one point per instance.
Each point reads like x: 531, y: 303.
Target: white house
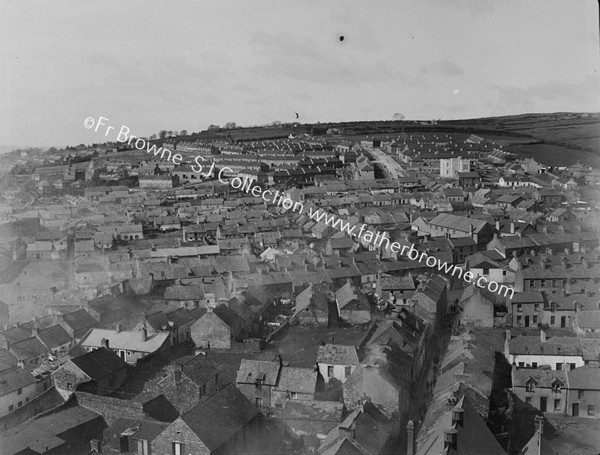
x: 17, y: 388
x: 336, y: 361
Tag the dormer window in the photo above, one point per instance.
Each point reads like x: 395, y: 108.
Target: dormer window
x: 556, y: 387
x: 530, y: 385
x: 259, y: 383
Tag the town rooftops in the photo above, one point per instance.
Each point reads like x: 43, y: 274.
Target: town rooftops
x: 337, y: 354
x: 54, y: 336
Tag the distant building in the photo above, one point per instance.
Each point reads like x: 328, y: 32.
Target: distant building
x: 450, y: 167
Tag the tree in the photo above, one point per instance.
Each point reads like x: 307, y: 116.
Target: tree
x: 153, y: 137
x: 229, y: 126
x: 183, y: 133
x: 162, y: 134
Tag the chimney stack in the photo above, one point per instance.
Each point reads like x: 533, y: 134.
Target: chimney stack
x: 512, y: 227
x: 118, y: 328
x: 543, y: 336
x: 105, y: 343
x: 410, y: 441
x: 144, y: 333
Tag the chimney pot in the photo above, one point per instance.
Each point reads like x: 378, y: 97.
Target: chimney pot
x: 410, y: 444
x: 118, y: 328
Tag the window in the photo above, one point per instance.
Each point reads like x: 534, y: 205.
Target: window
x: 572, y: 366
x: 534, y: 364
x: 557, y: 405
x: 19, y: 391
x: 294, y: 395
x: 580, y: 394
x: 20, y: 404
x: 128, y: 352
x: 503, y: 272
x: 519, y: 319
x: 519, y: 307
x: 178, y: 448
x: 27, y: 400
x: 10, y: 408
x: 69, y: 386
x: 559, y: 366
x: 521, y: 364
x: 258, y: 402
x: 486, y: 271
x: 142, y: 447
x: 259, y: 383
x: 347, y: 371
x: 590, y: 409
x: 542, y: 283
x: 552, y: 320
x: 329, y: 371
x: 531, y: 283
x: 528, y: 401
x: 530, y: 386
x: 536, y: 307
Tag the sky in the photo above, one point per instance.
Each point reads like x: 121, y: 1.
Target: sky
x: 153, y: 65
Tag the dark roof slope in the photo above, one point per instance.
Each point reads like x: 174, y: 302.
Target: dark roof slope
x: 99, y: 363
x: 220, y: 417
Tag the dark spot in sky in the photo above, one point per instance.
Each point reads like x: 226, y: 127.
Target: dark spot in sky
x: 341, y: 37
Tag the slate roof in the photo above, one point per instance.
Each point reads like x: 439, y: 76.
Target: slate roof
x: 7, y: 360
x: 128, y: 340
x: 54, y: 336
x: 13, y: 379
x: 460, y: 223
x: 220, y: 417
x: 524, y: 345
x: 31, y: 347
x: 300, y: 380
x: 201, y: 369
x: 41, y: 434
x: 99, y: 363
x: 584, y: 378
x: 542, y: 377
x: 80, y: 321
x: 137, y: 428
x: 337, y: 354
x: 252, y: 370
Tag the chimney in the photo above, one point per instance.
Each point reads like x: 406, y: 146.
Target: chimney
x: 458, y: 415
x: 280, y: 359
x: 539, y: 425
x: 118, y: 328
x: 471, y: 230
x: 542, y: 262
x: 144, y: 333
x: 498, y: 225
x: 410, y: 441
x: 105, y: 343
x: 35, y: 331
x: 177, y: 369
x: 543, y: 336
x: 450, y: 437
